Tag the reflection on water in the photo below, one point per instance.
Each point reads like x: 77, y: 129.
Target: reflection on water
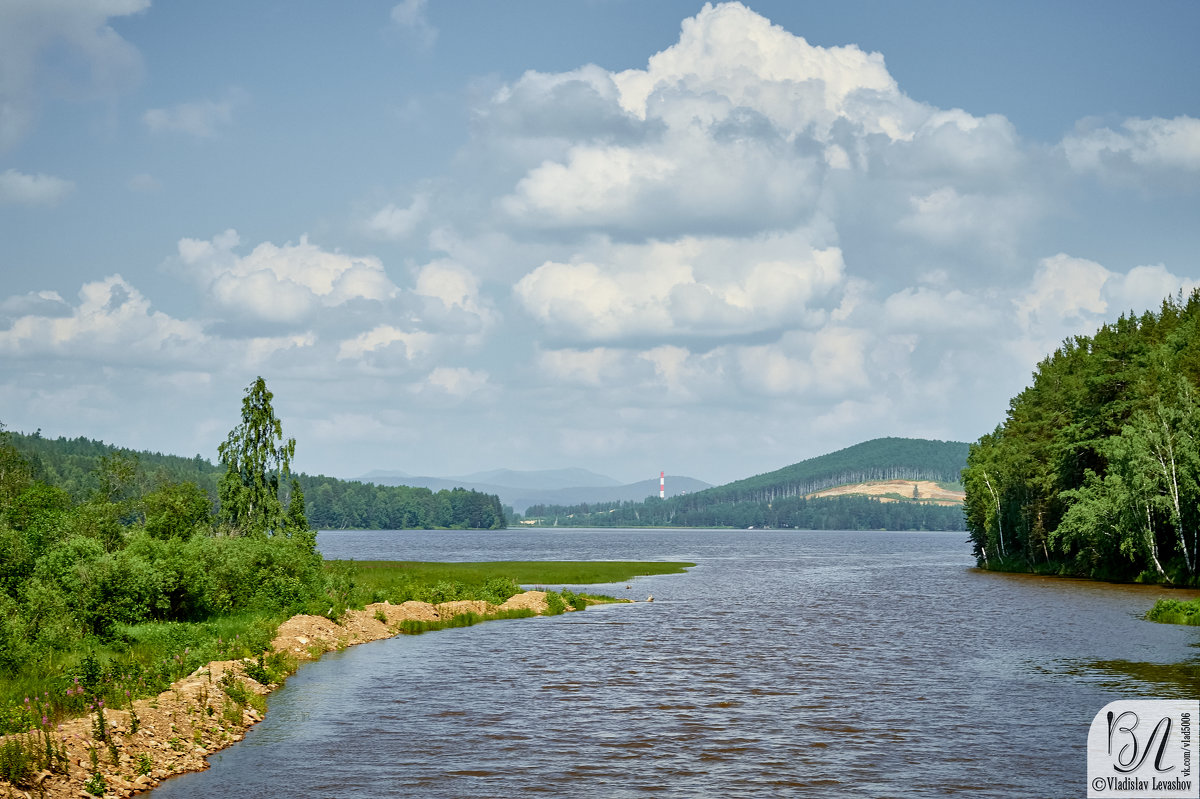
x: 784, y: 664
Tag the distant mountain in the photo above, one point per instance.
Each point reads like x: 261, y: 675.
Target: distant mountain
x: 550, y: 487
x: 782, y: 498
x: 634, y: 492
x: 544, y: 479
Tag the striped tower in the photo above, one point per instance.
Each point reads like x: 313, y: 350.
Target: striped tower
x: 662, y: 485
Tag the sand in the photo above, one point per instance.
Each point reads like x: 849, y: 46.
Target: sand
x: 180, y: 727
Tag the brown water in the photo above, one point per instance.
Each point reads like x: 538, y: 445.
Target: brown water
x: 785, y: 664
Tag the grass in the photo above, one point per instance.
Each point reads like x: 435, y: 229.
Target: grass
x: 523, y: 572
x: 1173, y: 611
x: 144, y: 659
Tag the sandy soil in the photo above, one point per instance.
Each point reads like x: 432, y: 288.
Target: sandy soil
x: 928, y: 491
x: 180, y: 727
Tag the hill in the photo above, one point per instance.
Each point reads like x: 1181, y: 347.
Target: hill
x: 783, y: 498
x: 79, y: 466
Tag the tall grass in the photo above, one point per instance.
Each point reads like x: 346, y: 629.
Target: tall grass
x: 1173, y: 611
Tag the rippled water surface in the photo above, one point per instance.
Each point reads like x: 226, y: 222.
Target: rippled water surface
x: 785, y: 664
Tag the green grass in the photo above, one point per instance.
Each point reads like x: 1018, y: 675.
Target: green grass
x: 144, y: 659
x: 1173, y: 611
x: 524, y: 572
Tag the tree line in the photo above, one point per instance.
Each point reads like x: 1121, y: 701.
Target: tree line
x: 1095, y: 471
x: 79, y: 466
x: 831, y: 513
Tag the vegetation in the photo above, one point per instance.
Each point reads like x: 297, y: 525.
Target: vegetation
x: 1173, y: 611
x: 1095, y: 471
x: 384, y: 575
x: 778, y: 499
x: 117, y: 593
x: 84, y: 468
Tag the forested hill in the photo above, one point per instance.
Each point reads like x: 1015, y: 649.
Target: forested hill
x: 779, y: 498
x: 1095, y: 471
x: 878, y: 459
x: 80, y: 466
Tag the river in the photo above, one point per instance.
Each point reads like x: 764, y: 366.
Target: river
x: 786, y: 663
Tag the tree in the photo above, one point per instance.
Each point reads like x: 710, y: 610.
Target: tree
x: 256, y: 459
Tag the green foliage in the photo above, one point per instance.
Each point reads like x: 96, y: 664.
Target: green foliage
x: 177, y: 510
x: 16, y: 763
x: 555, y: 604
x: 324, y: 502
x: 1173, y: 611
x: 96, y: 785
x: 256, y: 458
x: 1096, y: 470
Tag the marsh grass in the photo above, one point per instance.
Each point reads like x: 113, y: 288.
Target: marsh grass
x: 1174, y: 611
x: 399, y: 581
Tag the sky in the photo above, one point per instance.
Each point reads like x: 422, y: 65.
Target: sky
x: 630, y: 237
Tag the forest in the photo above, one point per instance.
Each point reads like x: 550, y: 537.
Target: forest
x: 1095, y: 471
x: 75, y: 466
x: 832, y: 513
x: 778, y: 498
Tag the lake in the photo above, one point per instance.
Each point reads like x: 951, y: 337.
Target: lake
x: 786, y: 663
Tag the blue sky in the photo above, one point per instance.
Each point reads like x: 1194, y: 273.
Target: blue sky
x: 627, y: 236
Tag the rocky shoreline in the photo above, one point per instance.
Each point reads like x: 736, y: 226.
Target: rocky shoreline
x: 174, y: 732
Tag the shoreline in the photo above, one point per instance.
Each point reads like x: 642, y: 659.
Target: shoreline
x: 154, y: 739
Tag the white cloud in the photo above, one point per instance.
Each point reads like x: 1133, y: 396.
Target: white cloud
x: 19, y: 188
x: 281, y: 284
x: 102, y: 63
x: 35, y: 303
x: 693, y: 286
x: 929, y: 309
x: 1063, y: 288
x: 393, y: 222
x: 1137, y: 147
x: 112, y: 323
x: 411, y: 17
x: 731, y: 52
x: 457, y: 382
x: 415, y: 344
x: 203, y: 119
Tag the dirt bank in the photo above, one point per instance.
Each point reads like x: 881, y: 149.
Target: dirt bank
x: 207, y: 711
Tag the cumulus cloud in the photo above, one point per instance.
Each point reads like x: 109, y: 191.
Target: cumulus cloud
x: 692, y: 287
x: 102, y: 63
x: 393, y: 222
x: 113, y: 323
x: 203, y: 119
x: 408, y: 345
x: 456, y: 381
x: 1136, y: 147
x: 281, y: 284
x: 18, y: 188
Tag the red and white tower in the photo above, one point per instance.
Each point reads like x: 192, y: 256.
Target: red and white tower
x: 662, y: 485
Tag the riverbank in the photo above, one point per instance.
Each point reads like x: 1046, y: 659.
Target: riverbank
x: 119, y: 752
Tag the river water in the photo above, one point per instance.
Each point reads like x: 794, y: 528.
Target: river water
x: 786, y: 663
